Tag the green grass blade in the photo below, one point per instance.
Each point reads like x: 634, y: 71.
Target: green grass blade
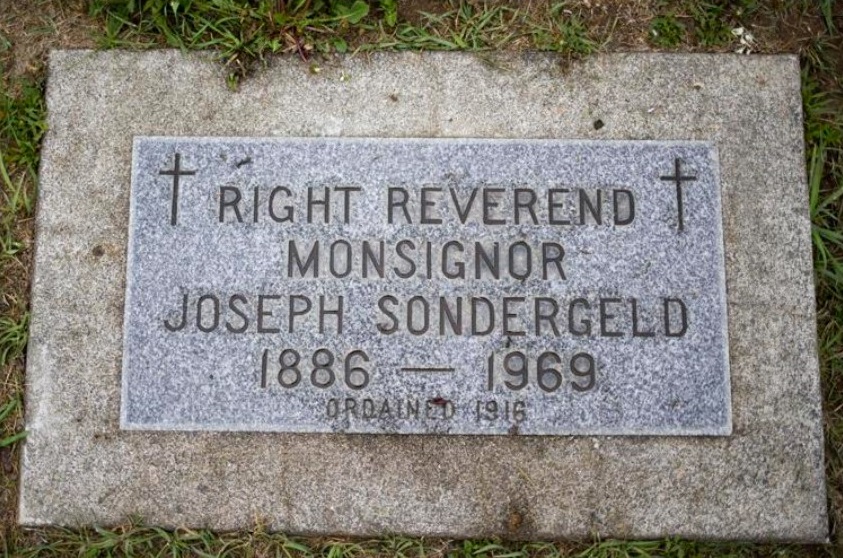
x: 12, y: 439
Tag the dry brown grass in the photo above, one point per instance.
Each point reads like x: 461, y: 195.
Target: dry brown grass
x: 34, y: 27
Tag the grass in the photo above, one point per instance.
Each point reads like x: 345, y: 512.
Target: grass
x: 823, y: 108
x: 667, y: 31
x: 22, y: 126
x: 21, y: 129
x: 460, y: 28
x: 133, y: 540
x: 244, y: 34
x: 714, y: 20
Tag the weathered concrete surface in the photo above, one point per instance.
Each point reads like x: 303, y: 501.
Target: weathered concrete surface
x: 765, y: 481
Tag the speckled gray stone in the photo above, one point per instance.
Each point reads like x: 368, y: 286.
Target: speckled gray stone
x: 619, y: 304
x: 763, y: 481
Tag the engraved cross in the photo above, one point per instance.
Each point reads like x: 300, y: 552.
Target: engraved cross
x: 678, y: 179
x: 176, y: 173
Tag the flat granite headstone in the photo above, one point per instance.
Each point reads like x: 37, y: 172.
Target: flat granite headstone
x: 235, y: 291
x: 425, y: 286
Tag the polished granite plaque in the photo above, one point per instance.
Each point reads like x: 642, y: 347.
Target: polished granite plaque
x: 410, y: 286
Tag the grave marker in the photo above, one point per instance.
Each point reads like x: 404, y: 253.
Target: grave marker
x: 425, y: 286
x: 739, y: 457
